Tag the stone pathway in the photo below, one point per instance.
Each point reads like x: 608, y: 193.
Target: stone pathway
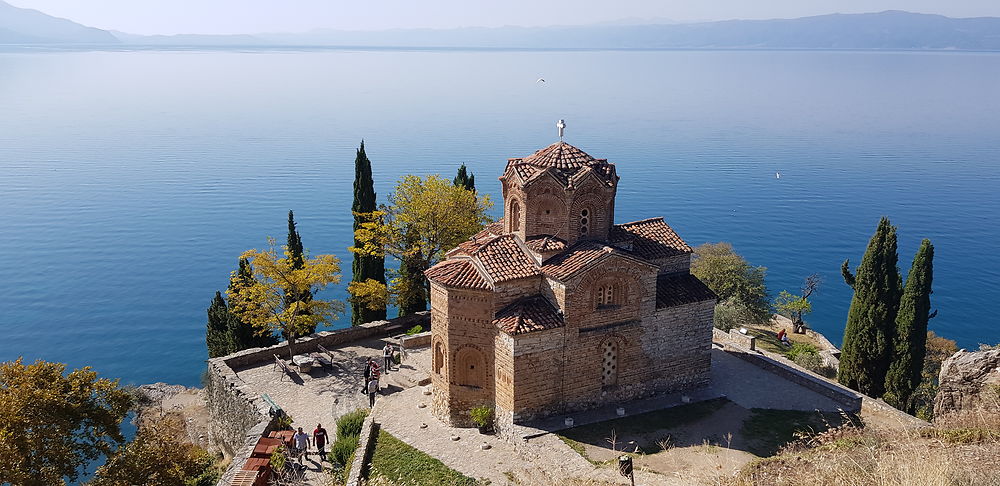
x: 323, y: 395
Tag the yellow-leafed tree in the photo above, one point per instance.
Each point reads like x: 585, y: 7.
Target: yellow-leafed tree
x: 262, y: 301
x: 425, y: 217
x: 53, y: 424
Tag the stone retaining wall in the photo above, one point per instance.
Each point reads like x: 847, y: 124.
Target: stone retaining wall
x: 240, y: 416
x: 366, y: 445
x: 850, y: 399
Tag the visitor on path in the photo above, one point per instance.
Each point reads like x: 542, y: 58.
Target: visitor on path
x: 372, y: 390
x: 319, y: 440
x: 300, y: 442
x: 781, y: 335
x: 387, y: 357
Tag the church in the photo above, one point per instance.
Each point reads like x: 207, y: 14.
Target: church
x: 556, y: 308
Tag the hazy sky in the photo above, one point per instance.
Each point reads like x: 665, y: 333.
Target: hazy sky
x: 250, y: 16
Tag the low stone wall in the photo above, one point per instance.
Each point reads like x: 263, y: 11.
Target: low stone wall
x: 417, y: 340
x: 851, y: 400
x: 366, y: 445
x: 329, y: 339
x: 240, y: 416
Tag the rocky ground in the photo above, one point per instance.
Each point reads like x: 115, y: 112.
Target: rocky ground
x: 187, y: 403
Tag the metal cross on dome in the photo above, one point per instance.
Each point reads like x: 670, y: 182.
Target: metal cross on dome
x: 561, y: 126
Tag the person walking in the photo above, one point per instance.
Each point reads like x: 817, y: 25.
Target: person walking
x: 372, y: 390
x: 301, y: 443
x: 387, y: 357
x: 319, y: 440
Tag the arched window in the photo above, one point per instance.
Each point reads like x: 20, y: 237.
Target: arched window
x: 608, y: 295
x: 585, y: 219
x: 609, y: 363
x: 438, y: 357
x: 515, y: 216
x: 470, y: 370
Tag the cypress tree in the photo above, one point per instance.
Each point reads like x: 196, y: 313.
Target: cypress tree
x: 364, y: 267
x: 464, y: 179
x: 243, y: 335
x: 871, y: 321
x: 296, y: 254
x: 904, y: 373
x: 218, y: 337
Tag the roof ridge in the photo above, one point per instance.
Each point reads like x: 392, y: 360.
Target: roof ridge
x: 630, y: 223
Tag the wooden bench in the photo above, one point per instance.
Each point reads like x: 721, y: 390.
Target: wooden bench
x: 284, y: 367
x: 328, y: 353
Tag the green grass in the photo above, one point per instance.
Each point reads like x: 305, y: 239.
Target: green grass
x: 767, y: 431
x: 401, y: 464
x: 598, y: 433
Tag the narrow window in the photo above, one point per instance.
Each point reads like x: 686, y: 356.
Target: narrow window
x: 609, y: 363
x: 584, y: 222
x: 438, y: 358
x: 606, y: 296
x: 515, y: 216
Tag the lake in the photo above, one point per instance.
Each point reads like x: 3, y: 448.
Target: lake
x: 130, y: 181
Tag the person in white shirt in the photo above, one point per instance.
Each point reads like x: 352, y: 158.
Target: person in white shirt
x: 387, y: 356
x: 301, y: 443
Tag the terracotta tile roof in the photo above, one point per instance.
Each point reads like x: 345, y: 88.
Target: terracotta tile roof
x: 468, y: 247
x: 505, y: 260
x: 560, y: 155
x: 528, y: 314
x: 673, y: 290
x: 575, y: 258
x: 563, y: 161
x: 493, y: 229
x: 457, y: 273
x: 545, y: 243
x: 650, y: 239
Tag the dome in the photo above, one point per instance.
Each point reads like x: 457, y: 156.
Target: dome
x: 560, y: 155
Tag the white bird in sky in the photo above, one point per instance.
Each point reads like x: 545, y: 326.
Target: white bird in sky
x: 540, y: 80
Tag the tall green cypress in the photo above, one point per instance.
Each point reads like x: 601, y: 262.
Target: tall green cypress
x: 464, y: 179
x: 911, y: 331
x: 364, y: 267
x: 296, y: 253
x: 244, y: 336
x: 218, y: 337
x: 871, y: 321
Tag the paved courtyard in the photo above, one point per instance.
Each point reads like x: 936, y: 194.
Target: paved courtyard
x: 541, y: 458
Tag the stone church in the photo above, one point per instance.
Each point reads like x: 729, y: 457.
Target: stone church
x: 556, y: 308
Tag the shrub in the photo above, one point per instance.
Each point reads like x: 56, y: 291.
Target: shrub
x: 343, y: 449
x: 798, y: 349
x: 349, y: 424
x: 481, y: 415
x: 730, y: 314
x: 415, y: 330
x: 285, y: 422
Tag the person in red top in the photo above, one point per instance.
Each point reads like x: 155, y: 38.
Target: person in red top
x: 319, y: 440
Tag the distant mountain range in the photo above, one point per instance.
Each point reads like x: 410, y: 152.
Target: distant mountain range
x: 885, y: 30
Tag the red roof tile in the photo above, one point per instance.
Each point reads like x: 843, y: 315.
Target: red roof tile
x: 468, y: 247
x: 505, y: 260
x: 575, y: 258
x: 560, y: 155
x: 457, y: 273
x: 673, y: 290
x: 650, y: 239
x: 563, y: 161
x: 527, y: 315
x: 545, y: 244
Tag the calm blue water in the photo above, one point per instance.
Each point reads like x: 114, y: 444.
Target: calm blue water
x: 130, y: 181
